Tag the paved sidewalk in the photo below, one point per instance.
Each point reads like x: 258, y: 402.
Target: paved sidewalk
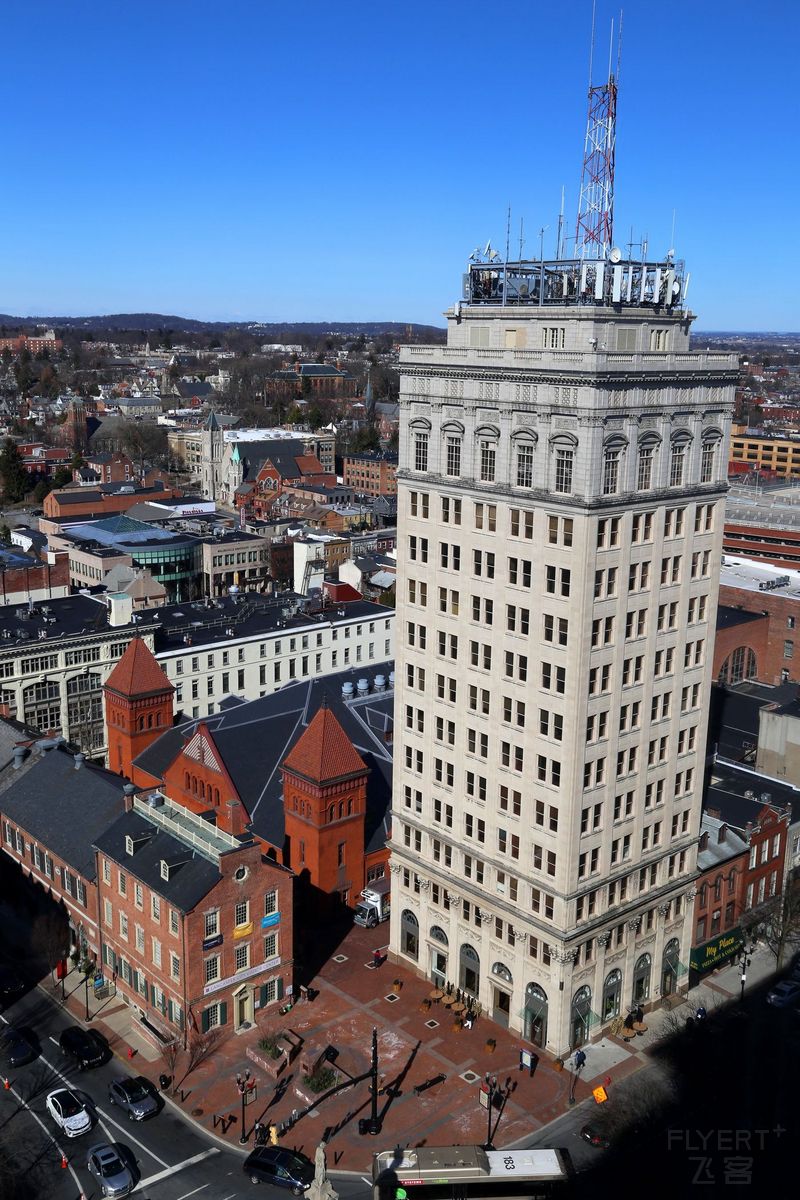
x: 414, y: 1046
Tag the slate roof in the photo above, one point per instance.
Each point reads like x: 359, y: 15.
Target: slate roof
x: 188, y: 882
x: 63, y: 808
x: 137, y: 673
x: 253, y: 739
x: 717, y: 852
x: 253, y: 455
x: 727, y: 617
x: 323, y: 753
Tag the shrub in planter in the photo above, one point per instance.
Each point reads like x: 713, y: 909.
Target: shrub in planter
x: 491, y: 1045
x: 321, y: 1080
x: 270, y: 1046
x: 558, y: 1064
x: 397, y: 986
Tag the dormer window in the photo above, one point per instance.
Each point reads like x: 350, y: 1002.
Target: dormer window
x: 129, y: 846
x: 164, y: 866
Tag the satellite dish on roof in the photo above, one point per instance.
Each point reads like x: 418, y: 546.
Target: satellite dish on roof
x: 616, y: 254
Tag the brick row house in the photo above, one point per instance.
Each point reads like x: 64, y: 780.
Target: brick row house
x: 196, y: 925
x: 742, y: 857
x: 51, y: 841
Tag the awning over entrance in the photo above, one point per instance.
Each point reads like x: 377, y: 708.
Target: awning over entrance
x: 717, y: 951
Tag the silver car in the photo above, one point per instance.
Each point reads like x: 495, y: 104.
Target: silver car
x: 114, y: 1177
x: 133, y: 1096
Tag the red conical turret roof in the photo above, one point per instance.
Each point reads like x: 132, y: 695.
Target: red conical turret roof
x: 323, y: 752
x: 137, y: 673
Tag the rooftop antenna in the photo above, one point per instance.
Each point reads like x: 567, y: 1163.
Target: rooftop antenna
x: 560, y: 225
x: 508, y: 232
x: 542, y: 232
x: 521, y: 237
x: 595, y: 224
x: 671, y: 251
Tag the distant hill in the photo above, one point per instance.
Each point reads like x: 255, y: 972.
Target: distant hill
x: 277, y: 331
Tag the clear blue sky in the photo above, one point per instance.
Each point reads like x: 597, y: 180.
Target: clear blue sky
x: 252, y: 159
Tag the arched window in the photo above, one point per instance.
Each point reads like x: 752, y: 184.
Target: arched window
x: 669, y: 967
x: 612, y: 994
x: 487, y: 437
x: 453, y: 433
x: 502, y: 972
x: 613, y: 465
x: 469, y: 969
x: 141, y: 722
x: 535, y: 1014
x: 350, y: 806
x: 708, y: 454
x: 421, y: 436
x: 331, y: 812
x: 149, y: 720
x: 202, y: 790
x: 648, y: 445
x: 678, y: 455
x: 186, y: 780
x: 409, y: 934
x: 524, y: 441
x: 439, y: 935
x: 563, y: 448
x: 341, y: 810
x: 641, y: 979
x: 580, y: 1016
x: 740, y: 664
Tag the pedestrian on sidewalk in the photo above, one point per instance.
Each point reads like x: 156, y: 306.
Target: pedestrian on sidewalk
x: 377, y: 959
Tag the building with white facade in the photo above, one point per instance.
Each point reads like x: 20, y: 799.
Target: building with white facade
x: 561, y: 500
x: 55, y: 658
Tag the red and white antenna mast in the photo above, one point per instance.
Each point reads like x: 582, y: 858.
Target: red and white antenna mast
x: 595, y: 227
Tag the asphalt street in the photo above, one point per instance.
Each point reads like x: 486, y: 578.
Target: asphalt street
x: 173, y: 1159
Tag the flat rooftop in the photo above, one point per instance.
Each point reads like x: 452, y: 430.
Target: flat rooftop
x: 748, y: 574
x: 177, y: 626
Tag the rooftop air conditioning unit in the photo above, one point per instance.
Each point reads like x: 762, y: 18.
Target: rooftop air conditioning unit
x: 749, y: 795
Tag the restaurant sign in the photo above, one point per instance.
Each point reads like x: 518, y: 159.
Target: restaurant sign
x: 717, y: 951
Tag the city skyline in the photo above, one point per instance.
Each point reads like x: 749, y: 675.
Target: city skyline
x: 277, y: 166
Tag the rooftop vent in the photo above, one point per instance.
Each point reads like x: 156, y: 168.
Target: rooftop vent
x: 391, y: 679
x: 363, y: 687
x: 347, y: 690
x: 80, y: 759
x: 749, y: 794
x: 379, y: 683
x: 20, y: 754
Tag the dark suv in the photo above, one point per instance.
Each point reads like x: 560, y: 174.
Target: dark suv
x: 283, y: 1168
x: 85, y: 1046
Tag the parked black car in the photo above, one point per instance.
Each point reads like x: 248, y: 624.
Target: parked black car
x: 284, y: 1168
x: 18, y: 1047
x: 84, y: 1045
x: 11, y: 984
x: 595, y: 1137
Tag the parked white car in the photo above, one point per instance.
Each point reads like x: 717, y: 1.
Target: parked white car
x: 69, y: 1112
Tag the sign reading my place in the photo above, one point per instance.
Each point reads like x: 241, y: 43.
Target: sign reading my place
x: 712, y: 953
x: 221, y: 983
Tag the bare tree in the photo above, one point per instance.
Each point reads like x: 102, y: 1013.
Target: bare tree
x: 200, y: 1047
x: 50, y: 938
x: 170, y: 1053
x: 777, y: 922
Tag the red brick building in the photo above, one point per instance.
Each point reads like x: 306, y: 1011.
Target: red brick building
x: 82, y: 503
x: 24, y: 577
x: 53, y: 805
x: 768, y: 603
x: 195, y: 924
x: 722, y: 858
x: 773, y: 544
x: 325, y: 804
x: 370, y: 474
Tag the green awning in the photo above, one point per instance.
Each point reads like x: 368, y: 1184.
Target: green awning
x: 717, y: 951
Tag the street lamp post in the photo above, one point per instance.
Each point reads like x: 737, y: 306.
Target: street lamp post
x: 492, y: 1088
x: 241, y: 1083
x: 86, y: 989
x: 744, y: 963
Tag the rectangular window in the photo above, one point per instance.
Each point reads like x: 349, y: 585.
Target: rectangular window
x: 524, y: 465
x: 565, y: 460
x: 488, y: 460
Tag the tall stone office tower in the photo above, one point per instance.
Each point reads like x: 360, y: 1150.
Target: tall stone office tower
x: 561, y: 494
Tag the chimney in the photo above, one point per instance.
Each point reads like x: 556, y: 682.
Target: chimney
x: 120, y: 609
x: 128, y: 792
x: 722, y: 835
x: 80, y: 758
